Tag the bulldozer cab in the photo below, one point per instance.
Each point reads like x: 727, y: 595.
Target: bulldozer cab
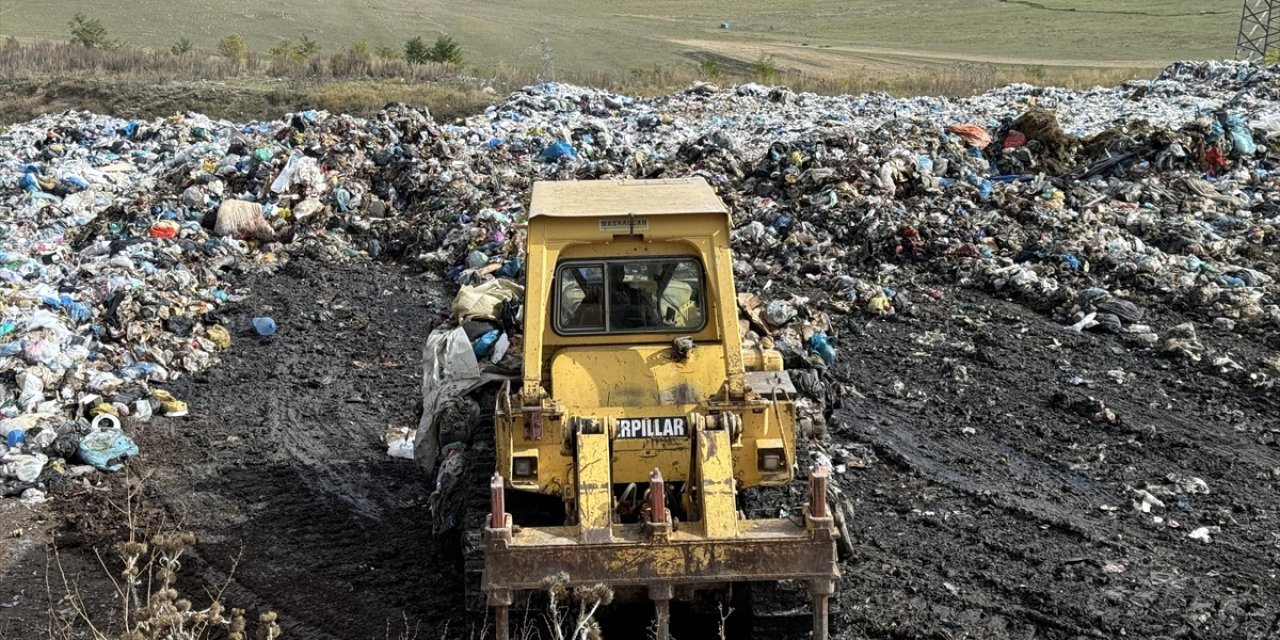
x: 640, y: 409
x: 622, y: 295
x: 616, y: 266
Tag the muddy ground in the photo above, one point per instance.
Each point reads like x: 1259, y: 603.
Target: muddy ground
x: 993, y: 503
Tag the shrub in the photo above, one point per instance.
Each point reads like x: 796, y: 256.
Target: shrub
x: 307, y: 47
x: 386, y: 53
x: 90, y: 33
x: 285, y: 59
x: 583, y: 626
x: 765, y: 68
x: 416, y: 51
x: 183, y: 45
x: 283, y: 50
x: 710, y: 69
x: 232, y: 47
x: 446, y: 49
x: 361, y: 50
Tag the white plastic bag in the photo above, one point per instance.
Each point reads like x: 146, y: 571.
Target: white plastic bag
x: 26, y: 467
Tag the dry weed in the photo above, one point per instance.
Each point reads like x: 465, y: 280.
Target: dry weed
x: 152, y: 604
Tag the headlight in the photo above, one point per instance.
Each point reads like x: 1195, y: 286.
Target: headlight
x: 771, y: 460
x: 524, y: 467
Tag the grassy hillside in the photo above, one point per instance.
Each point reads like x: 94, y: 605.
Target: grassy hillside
x: 817, y: 37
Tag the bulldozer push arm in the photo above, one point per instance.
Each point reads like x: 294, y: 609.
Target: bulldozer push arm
x: 659, y: 556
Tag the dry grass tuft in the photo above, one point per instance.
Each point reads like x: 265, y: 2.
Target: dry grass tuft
x: 152, y: 604
x: 583, y: 624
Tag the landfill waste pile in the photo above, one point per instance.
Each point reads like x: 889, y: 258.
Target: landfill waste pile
x: 1098, y: 209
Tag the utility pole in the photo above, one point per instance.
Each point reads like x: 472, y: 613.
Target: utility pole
x: 1258, y: 29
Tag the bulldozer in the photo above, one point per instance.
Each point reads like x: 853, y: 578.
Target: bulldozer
x: 640, y: 409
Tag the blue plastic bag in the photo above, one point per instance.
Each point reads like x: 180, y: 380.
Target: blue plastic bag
x: 1215, y: 132
x: 100, y: 448
x: 1241, y: 137
x: 484, y: 344
x: 138, y: 370
x: 819, y: 344
x: 558, y: 151
x: 77, y: 311
x: 510, y: 269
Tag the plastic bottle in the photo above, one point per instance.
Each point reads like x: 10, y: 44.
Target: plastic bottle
x: 16, y: 438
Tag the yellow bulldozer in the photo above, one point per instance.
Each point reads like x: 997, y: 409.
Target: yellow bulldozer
x: 639, y: 408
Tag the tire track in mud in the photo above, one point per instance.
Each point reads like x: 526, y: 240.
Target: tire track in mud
x: 999, y: 532
x: 281, y: 462
x: 1080, y: 492
x: 996, y: 594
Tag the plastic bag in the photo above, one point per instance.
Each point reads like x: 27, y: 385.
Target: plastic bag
x: 449, y: 370
x: 264, y: 326
x: 1241, y: 137
x: 483, y: 345
x: 241, y: 219
x: 972, y: 134
x: 101, y: 448
x: 819, y: 344
x: 285, y: 179
x: 400, y: 442
x: 779, y: 312
x: 558, y: 151
x: 481, y: 302
x: 26, y: 467
x: 32, y: 387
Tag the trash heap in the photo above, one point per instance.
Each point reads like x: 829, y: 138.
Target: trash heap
x: 1095, y: 207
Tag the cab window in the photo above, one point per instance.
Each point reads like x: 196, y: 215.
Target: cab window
x: 630, y: 296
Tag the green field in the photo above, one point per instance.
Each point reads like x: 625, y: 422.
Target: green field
x: 817, y: 37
